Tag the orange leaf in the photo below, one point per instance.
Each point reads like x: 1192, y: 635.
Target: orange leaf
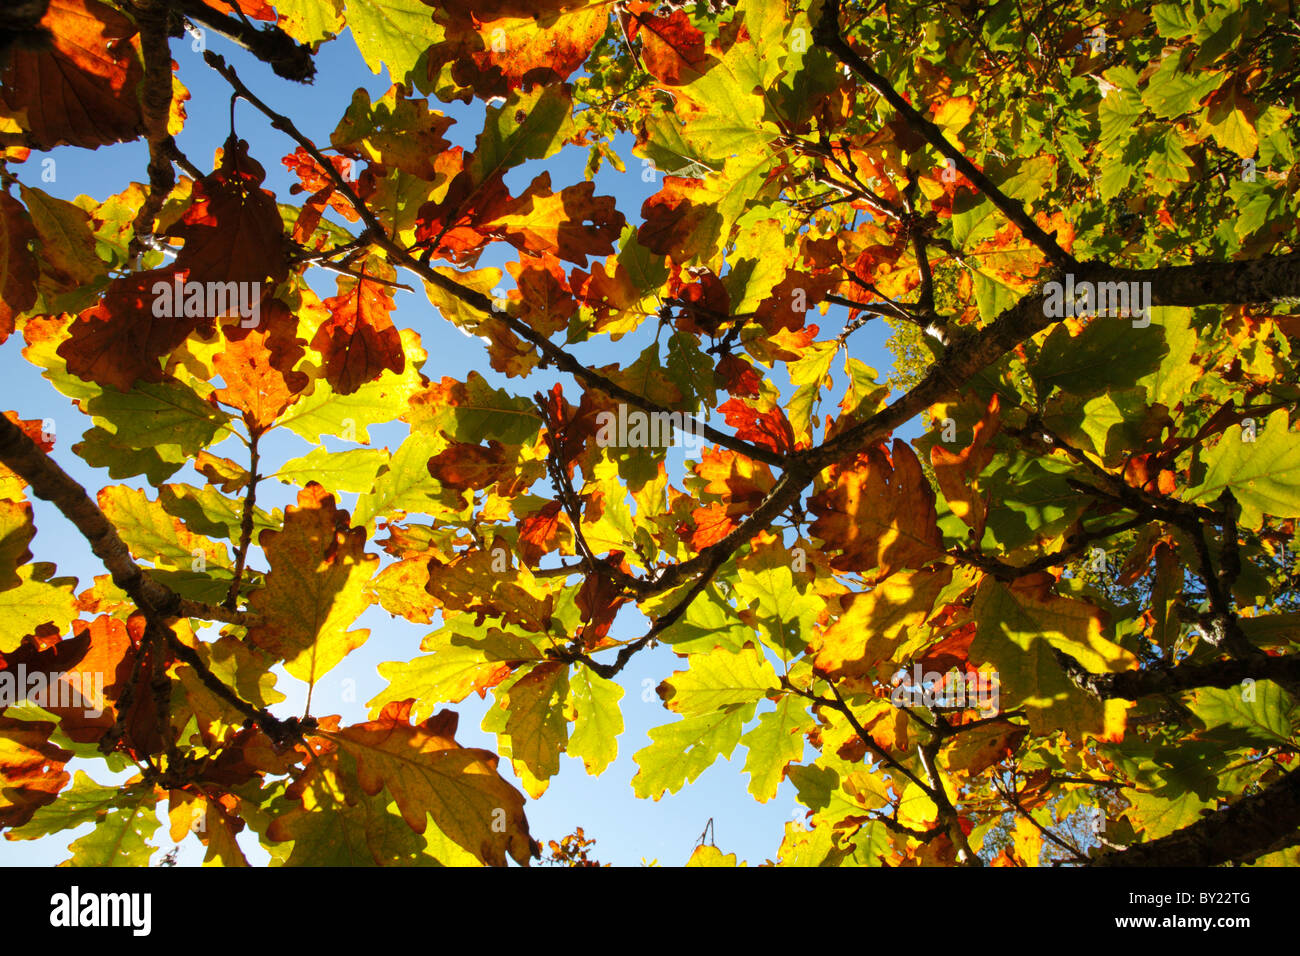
x: 31, y: 769
x: 257, y: 366
x: 672, y: 49
x: 82, y: 92
x: 18, y: 272
x: 879, y: 514
x: 359, y: 341
x: 957, y: 472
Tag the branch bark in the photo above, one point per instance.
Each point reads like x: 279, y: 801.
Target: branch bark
x: 1256, y: 824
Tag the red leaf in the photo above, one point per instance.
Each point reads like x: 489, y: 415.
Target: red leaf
x: 232, y: 230
x: 672, y: 49
x: 359, y: 340
x: 771, y: 428
x: 83, y: 91
x: 539, y: 533
x: 18, y: 271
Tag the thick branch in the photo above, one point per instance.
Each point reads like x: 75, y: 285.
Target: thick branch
x: 1256, y: 824
x: 1135, y: 685
x: 285, y: 55
x: 156, y: 601
x: 155, y: 107
x: 51, y: 483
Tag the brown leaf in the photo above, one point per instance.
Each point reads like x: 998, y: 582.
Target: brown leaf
x: 359, y: 341
x: 879, y: 514
x: 232, y: 229
x: 18, y: 270
x: 31, y: 769
x: 463, y: 466
x: 119, y: 340
x: 680, y: 220
x: 82, y: 92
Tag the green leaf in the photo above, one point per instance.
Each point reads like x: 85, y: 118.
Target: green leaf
x: 787, y: 612
x: 309, y: 21
x: 537, y: 726
x: 326, y: 412
x: 1017, y: 629
x: 483, y: 413
x: 16, y: 532
x: 1263, y: 475
x: 153, y: 534
x: 1171, y: 92
x: 776, y: 742
x: 38, y: 599
x: 529, y: 125
x: 162, y: 416
x: 207, y: 511
x: 392, y: 33
x: 718, y: 679
x: 1260, y: 707
x: 67, y: 245
x: 681, y: 751
x: 691, y: 370
x: 125, y: 819
x: 709, y: 622
x: 1110, y: 353
x: 599, y: 719
x: 459, y: 664
x: 351, y: 470
x: 404, y: 485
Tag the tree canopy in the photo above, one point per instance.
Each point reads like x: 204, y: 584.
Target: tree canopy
x: 1026, y: 600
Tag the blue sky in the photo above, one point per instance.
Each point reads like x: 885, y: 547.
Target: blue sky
x: 626, y: 829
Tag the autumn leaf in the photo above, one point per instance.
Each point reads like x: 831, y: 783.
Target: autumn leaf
x: 958, y: 472
x: 572, y: 224
x: 232, y: 230
x: 879, y: 514
x: 427, y: 772
x: 359, y: 341
x: 18, y: 270
x: 120, y: 340
x: 82, y: 91
x: 671, y: 46
x: 31, y: 769
x: 259, y: 366
x: 315, y: 588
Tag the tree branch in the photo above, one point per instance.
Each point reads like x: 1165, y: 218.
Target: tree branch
x: 477, y: 300
x: 827, y: 33
x: 1256, y: 824
x: 1135, y: 685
